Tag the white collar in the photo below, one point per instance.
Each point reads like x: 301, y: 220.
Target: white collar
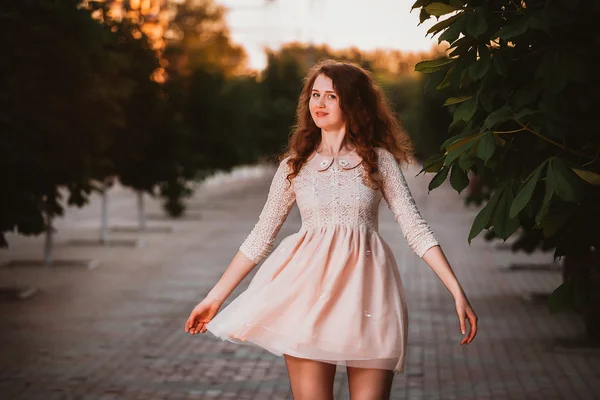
x: 321, y: 163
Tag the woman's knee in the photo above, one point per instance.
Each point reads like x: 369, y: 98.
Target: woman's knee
x: 369, y: 384
x: 310, y: 379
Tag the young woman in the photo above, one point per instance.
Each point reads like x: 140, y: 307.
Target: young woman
x: 331, y: 294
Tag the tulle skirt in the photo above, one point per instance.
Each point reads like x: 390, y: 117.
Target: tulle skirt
x: 331, y: 294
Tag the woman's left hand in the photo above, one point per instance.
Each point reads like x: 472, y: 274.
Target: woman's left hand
x: 466, y: 313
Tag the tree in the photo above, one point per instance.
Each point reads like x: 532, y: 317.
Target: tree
x: 520, y: 82
x: 60, y: 98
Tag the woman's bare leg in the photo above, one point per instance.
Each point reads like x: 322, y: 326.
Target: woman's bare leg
x: 310, y: 380
x: 369, y: 383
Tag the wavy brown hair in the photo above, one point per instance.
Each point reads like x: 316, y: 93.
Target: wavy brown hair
x: 370, y: 121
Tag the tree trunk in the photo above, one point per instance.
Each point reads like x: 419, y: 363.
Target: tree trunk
x: 48, y: 244
x: 104, y: 226
x: 141, y: 213
x: 587, y: 264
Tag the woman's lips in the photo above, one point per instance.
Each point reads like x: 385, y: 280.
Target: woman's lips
x: 321, y: 114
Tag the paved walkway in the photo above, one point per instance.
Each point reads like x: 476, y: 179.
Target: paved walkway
x: 116, y: 331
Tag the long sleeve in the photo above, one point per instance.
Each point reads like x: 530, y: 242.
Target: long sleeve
x: 418, y: 234
x: 280, y: 200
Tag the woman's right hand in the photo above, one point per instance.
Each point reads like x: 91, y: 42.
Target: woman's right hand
x: 201, y: 315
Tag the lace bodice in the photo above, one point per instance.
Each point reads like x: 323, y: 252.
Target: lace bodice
x: 330, y: 192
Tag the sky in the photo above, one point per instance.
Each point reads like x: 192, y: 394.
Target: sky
x: 365, y: 24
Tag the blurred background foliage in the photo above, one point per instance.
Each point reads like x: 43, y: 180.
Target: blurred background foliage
x: 159, y: 100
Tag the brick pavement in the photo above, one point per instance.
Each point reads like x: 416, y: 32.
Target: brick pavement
x: 116, y: 332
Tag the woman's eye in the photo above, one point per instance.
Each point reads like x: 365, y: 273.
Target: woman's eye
x: 315, y: 94
x: 332, y: 96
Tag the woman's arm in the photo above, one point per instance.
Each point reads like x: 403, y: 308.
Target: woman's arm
x: 259, y: 242
x: 420, y: 237
x: 436, y: 259
x: 239, y: 267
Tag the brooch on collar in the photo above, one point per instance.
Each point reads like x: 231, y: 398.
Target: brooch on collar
x: 347, y: 161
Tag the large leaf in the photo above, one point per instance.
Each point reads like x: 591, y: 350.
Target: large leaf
x: 466, y: 161
x: 443, y: 24
x: 439, y: 178
x: 479, y: 69
x: 458, y: 143
x: 486, y: 147
x: 439, y: 9
x: 567, y: 185
x: 452, y: 33
x: 429, y: 66
x: 433, y: 164
x: 500, y: 115
x: 419, y: 3
x: 553, y: 223
x: 466, y: 110
x: 504, y: 225
x: 458, y: 178
x: 450, y: 75
x: 545, y: 202
x: 456, y: 100
x: 500, y: 63
x: 476, y: 23
x: 423, y: 16
x: 458, y: 151
x: 515, y: 28
x: 484, y: 217
x: 590, y: 177
x: 524, y: 195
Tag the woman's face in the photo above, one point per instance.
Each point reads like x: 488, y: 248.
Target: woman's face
x: 324, y: 105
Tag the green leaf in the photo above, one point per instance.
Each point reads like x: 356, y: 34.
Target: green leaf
x: 486, y: 147
x: 439, y: 9
x: 499, y: 63
x: 552, y: 223
x: 479, y: 68
x: 448, y: 78
x: 439, y: 178
x: 545, y: 202
x: 456, y: 100
x: 567, y: 185
x: 429, y: 66
x: 466, y: 161
x: 452, y: 33
x: 423, y: 16
x: 590, y: 177
x: 500, y: 115
x: 476, y: 23
x: 419, y: 3
x: 457, y: 151
x: 433, y: 164
x: 516, y: 28
x: 466, y: 110
x: 466, y: 131
x: 526, y: 97
x: 457, y: 3
x: 458, y: 178
x: 458, y: 143
x: 524, y: 195
x: 483, y: 218
x: 504, y: 225
x: 443, y: 24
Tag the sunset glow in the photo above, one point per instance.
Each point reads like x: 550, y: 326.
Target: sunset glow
x: 367, y: 25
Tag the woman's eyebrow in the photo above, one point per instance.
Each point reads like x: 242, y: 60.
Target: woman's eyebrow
x: 326, y: 91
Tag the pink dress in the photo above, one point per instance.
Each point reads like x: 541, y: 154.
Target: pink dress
x: 332, y: 291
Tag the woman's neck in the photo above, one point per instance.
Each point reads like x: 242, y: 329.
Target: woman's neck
x: 333, y: 143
